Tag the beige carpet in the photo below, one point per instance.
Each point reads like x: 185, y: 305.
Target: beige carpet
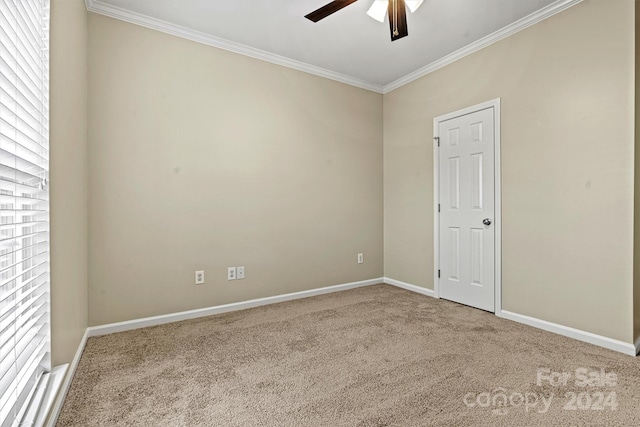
x: 374, y: 356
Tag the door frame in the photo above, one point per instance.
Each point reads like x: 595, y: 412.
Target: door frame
x: 497, y: 220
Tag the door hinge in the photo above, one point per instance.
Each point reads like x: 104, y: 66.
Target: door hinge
x: 437, y: 140
x: 438, y: 207
x: 438, y: 274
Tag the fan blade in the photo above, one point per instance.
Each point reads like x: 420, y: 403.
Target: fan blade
x: 328, y: 9
x: 399, y: 21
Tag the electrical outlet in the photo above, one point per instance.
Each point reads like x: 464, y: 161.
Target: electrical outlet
x: 240, y: 273
x: 231, y: 273
x: 200, y: 277
x: 360, y: 258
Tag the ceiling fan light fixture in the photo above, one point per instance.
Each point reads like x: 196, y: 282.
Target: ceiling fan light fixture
x: 378, y: 9
x: 413, y: 5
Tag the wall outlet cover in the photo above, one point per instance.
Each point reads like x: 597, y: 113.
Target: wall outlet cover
x: 240, y: 273
x: 200, y: 277
x: 231, y: 273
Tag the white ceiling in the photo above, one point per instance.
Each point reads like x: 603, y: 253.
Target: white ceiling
x: 348, y: 43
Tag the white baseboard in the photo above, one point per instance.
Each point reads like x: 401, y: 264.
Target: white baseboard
x: 599, y: 340
x: 175, y: 317
x: 577, y: 334
x: 209, y: 311
x: 410, y: 287
x: 62, y: 394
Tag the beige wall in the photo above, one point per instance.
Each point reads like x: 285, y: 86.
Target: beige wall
x: 68, y: 164
x: 566, y: 86
x: 636, y: 235
x: 203, y: 159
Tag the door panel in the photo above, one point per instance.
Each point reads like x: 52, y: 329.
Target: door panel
x: 466, y: 174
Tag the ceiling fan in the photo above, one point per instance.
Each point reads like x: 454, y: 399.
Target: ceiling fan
x: 395, y: 8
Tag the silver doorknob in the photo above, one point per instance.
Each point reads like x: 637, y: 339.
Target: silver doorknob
x: 486, y: 221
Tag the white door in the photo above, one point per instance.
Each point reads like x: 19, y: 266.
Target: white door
x: 466, y: 190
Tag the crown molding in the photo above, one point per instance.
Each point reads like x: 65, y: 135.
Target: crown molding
x: 488, y: 40
x: 101, y: 8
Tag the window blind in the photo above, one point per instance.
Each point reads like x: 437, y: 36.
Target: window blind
x: 24, y: 203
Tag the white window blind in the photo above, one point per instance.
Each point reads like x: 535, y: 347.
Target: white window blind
x: 24, y: 203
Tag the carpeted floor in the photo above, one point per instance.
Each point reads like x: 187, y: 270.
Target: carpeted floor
x: 373, y: 356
